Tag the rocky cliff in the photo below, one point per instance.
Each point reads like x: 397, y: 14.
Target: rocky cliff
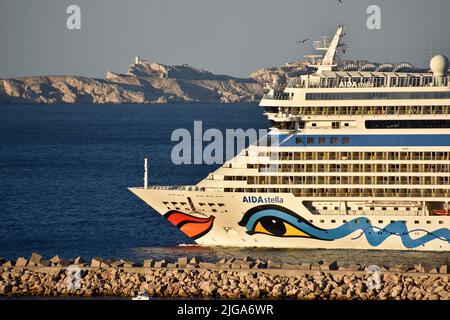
x: 145, y: 83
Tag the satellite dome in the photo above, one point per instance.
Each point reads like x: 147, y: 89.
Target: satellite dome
x: 439, y: 65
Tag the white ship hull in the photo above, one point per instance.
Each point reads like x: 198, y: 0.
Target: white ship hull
x: 359, y: 158
x: 225, y: 225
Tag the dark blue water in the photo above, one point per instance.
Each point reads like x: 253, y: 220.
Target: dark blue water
x: 64, y: 173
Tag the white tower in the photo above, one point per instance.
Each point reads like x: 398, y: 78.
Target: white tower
x: 137, y: 60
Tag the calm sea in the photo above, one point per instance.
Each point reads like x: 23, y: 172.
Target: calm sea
x: 65, y: 169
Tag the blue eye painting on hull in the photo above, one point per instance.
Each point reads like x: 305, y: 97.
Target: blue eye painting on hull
x: 280, y: 222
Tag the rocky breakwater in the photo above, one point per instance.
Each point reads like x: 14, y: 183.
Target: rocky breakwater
x: 227, y: 278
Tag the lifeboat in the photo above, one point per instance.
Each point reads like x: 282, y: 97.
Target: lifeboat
x: 440, y: 212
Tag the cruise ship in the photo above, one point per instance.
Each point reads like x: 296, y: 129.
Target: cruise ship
x: 357, y: 157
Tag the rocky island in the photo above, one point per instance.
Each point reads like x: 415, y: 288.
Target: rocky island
x: 146, y: 82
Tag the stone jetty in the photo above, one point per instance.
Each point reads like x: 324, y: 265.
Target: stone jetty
x: 226, y: 278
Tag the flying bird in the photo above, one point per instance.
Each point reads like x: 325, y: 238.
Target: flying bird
x: 302, y: 41
x: 341, y: 1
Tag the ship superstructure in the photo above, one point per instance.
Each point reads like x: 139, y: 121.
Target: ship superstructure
x: 359, y: 157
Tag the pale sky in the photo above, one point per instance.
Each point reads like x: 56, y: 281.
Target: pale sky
x: 232, y: 37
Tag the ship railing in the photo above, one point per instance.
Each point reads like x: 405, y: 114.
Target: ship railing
x: 372, y: 82
x: 278, y: 96
x: 176, y: 188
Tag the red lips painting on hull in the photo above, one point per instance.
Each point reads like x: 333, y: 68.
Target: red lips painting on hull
x: 193, y: 227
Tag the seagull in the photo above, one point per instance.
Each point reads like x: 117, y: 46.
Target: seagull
x: 302, y: 41
x: 341, y: 1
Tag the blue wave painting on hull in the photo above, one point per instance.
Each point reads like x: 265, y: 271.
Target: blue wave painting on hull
x: 281, y: 222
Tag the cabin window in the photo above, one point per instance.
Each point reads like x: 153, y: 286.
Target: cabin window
x: 310, y: 140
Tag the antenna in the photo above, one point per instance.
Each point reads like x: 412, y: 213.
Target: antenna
x: 145, y: 173
x: 328, y: 59
x: 431, y: 45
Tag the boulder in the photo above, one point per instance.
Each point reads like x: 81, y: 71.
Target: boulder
x: 129, y: 263
x: 305, y: 266
x: 160, y: 264
x: 7, y: 264
x: 327, y: 265
x: 148, y: 263
x: 117, y: 264
x: 43, y: 263
x: 79, y: 260
x: 247, y: 264
x: 273, y: 265
x: 55, y: 260
x: 21, y: 262
x: 259, y: 264
x: 349, y: 267
x: 424, y: 267
x: 195, y: 260
x: 172, y: 265
x: 205, y: 265
x: 316, y: 267
x: 182, y: 261
x: 35, y: 258
x: 96, y: 262
x: 443, y: 268
x: 107, y: 263
x: 399, y: 268
x: 64, y: 263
